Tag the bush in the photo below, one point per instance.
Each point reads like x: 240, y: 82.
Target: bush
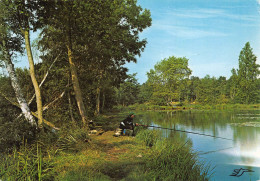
x: 73, y: 139
x: 13, y: 134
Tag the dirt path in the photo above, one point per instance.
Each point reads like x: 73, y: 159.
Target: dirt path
x: 114, y: 146
x: 121, y: 154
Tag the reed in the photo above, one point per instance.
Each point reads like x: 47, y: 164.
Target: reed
x: 148, y: 137
x: 27, y: 163
x: 170, y: 159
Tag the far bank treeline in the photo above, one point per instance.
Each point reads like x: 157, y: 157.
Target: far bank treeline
x: 170, y: 83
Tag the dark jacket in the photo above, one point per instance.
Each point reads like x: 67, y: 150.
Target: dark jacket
x: 127, y: 123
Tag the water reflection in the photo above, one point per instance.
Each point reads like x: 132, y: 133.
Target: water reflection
x: 243, y: 151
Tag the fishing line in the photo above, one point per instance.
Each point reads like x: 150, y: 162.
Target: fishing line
x: 173, y: 129
x: 204, y: 153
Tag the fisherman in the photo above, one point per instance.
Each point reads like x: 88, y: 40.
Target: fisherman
x: 127, y: 125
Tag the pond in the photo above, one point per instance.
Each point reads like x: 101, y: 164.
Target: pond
x: 235, y: 159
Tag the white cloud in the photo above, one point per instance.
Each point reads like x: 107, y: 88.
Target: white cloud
x: 206, y: 13
x: 196, y: 13
x: 186, y: 31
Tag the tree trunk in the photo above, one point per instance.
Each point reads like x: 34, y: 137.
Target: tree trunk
x: 76, y: 87
x: 70, y: 108
x: 97, y: 102
x: 17, y: 89
x: 103, y: 101
x: 33, y: 77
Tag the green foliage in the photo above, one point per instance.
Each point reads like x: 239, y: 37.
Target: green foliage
x: 169, y: 159
x: 73, y: 140
x: 168, y: 80
x: 103, y: 37
x: 128, y: 91
x: 145, y: 93
x: 13, y: 133
x: 148, y: 137
x: 248, y: 74
x: 27, y: 163
x: 175, y: 161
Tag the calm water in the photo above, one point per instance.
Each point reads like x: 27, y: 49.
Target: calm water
x: 243, y: 127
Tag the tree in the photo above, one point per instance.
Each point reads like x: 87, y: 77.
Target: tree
x: 248, y: 72
x: 206, y: 90
x: 8, y: 46
x: 233, y: 85
x: 103, y: 33
x: 169, y: 79
x: 128, y: 91
x: 23, y: 16
x: 193, y: 92
x: 145, y: 93
x: 221, y: 90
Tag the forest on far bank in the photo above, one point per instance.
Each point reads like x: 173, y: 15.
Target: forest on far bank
x: 170, y: 83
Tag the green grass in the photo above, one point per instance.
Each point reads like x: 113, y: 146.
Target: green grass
x: 170, y: 159
x: 27, y: 163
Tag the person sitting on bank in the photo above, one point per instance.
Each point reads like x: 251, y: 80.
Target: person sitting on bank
x: 127, y: 124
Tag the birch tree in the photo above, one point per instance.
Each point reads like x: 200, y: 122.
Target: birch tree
x: 22, y: 17
x: 8, y: 46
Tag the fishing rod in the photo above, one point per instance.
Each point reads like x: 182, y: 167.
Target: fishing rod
x: 213, y: 151
x: 173, y: 129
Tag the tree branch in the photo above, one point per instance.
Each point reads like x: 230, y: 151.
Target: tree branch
x: 44, y: 78
x: 33, y: 113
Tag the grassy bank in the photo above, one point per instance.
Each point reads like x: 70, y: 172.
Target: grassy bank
x: 74, y: 155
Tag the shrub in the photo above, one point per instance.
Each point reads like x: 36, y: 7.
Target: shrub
x: 12, y: 134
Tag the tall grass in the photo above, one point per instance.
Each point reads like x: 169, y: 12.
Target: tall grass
x: 27, y: 163
x: 170, y: 159
x: 148, y: 137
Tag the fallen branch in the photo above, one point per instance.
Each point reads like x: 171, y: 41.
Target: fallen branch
x: 48, y: 105
x: 45, y: 121
x: 33, y: 113
x: 44, y: 78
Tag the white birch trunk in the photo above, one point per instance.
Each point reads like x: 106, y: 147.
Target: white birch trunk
x: 18, y: 92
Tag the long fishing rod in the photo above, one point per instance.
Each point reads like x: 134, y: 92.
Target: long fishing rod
x: 213, y: 151
x: 173, y: 129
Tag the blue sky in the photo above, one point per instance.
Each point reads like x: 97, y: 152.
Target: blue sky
x: 210, y: 33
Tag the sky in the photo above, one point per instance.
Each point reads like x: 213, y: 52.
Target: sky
x: 210, y: 33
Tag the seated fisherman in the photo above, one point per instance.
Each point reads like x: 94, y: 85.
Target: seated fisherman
x: 127, y: 124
